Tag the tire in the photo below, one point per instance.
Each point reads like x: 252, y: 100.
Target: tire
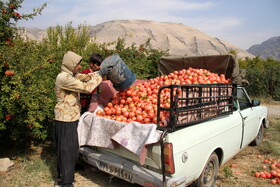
x: 257, y: 141
x: 209, y: 174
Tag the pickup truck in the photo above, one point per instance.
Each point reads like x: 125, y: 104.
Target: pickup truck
x: 191, y: 149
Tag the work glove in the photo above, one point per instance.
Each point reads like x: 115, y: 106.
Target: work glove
x: 104, y: 71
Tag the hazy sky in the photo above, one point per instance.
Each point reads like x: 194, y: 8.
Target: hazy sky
x: 239, y: 22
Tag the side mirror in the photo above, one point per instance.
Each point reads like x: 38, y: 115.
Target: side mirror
x: 256, y: 103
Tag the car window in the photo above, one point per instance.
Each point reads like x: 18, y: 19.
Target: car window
x: 243, y: 100
x: 235, y: 105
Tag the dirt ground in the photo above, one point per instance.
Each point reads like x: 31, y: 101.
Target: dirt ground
x: 274, y: 110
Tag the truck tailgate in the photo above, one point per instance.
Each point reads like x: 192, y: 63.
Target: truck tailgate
x: 120, y: 167
x: 152, y: 159
x: 136, y: 142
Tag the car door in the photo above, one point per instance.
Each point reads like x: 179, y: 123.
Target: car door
x: 249, y: 115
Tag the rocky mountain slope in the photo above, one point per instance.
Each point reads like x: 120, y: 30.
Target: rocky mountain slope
x: 269, y: 48
x: 178, y: 38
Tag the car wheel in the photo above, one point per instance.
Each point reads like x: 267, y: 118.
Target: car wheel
x: 257, y: 141
x: 209, y: 174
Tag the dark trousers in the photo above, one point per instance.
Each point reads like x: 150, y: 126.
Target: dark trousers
x: 67, y: 146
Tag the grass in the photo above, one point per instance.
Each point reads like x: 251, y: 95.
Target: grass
x: 32, y: 167
x: 271, y: 143
x: 228, y: 172
x: 31, y: 173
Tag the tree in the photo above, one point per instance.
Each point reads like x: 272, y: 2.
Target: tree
x: 263, y: 76
x: 9, y: 18
x: 16, y: 71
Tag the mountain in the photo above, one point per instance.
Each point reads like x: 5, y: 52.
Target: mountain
x: 178, y: 38
x: 33, y: 33
x: 269, y: 48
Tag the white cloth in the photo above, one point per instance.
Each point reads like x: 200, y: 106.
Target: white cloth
x: 102, y: 132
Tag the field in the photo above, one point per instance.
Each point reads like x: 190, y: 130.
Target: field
x: 35, y: 166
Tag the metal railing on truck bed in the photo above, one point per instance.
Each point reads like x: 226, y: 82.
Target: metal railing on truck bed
x: 192, y: 104
x: 189, y: 105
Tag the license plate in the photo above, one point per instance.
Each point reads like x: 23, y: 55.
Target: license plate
x: 118, y: 172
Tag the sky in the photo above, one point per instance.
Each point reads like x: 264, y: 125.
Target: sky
x: 242, y: 23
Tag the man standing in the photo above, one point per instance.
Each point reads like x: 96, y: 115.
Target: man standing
x: 95, y: 61
x: 69, y: 84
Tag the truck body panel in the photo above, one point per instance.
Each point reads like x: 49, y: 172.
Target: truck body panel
x: 202, y: 141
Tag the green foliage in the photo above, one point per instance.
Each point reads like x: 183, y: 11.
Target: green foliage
x: 62, y: 39
x: 263, y: 76
x: 21, y: 107
x: 27, y: 96
x: 232, y: 52
x: 10, y: 16
x: 28, y: 71
x: 227, y: 172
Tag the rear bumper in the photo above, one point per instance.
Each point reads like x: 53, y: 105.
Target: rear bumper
x: 127, y: 170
